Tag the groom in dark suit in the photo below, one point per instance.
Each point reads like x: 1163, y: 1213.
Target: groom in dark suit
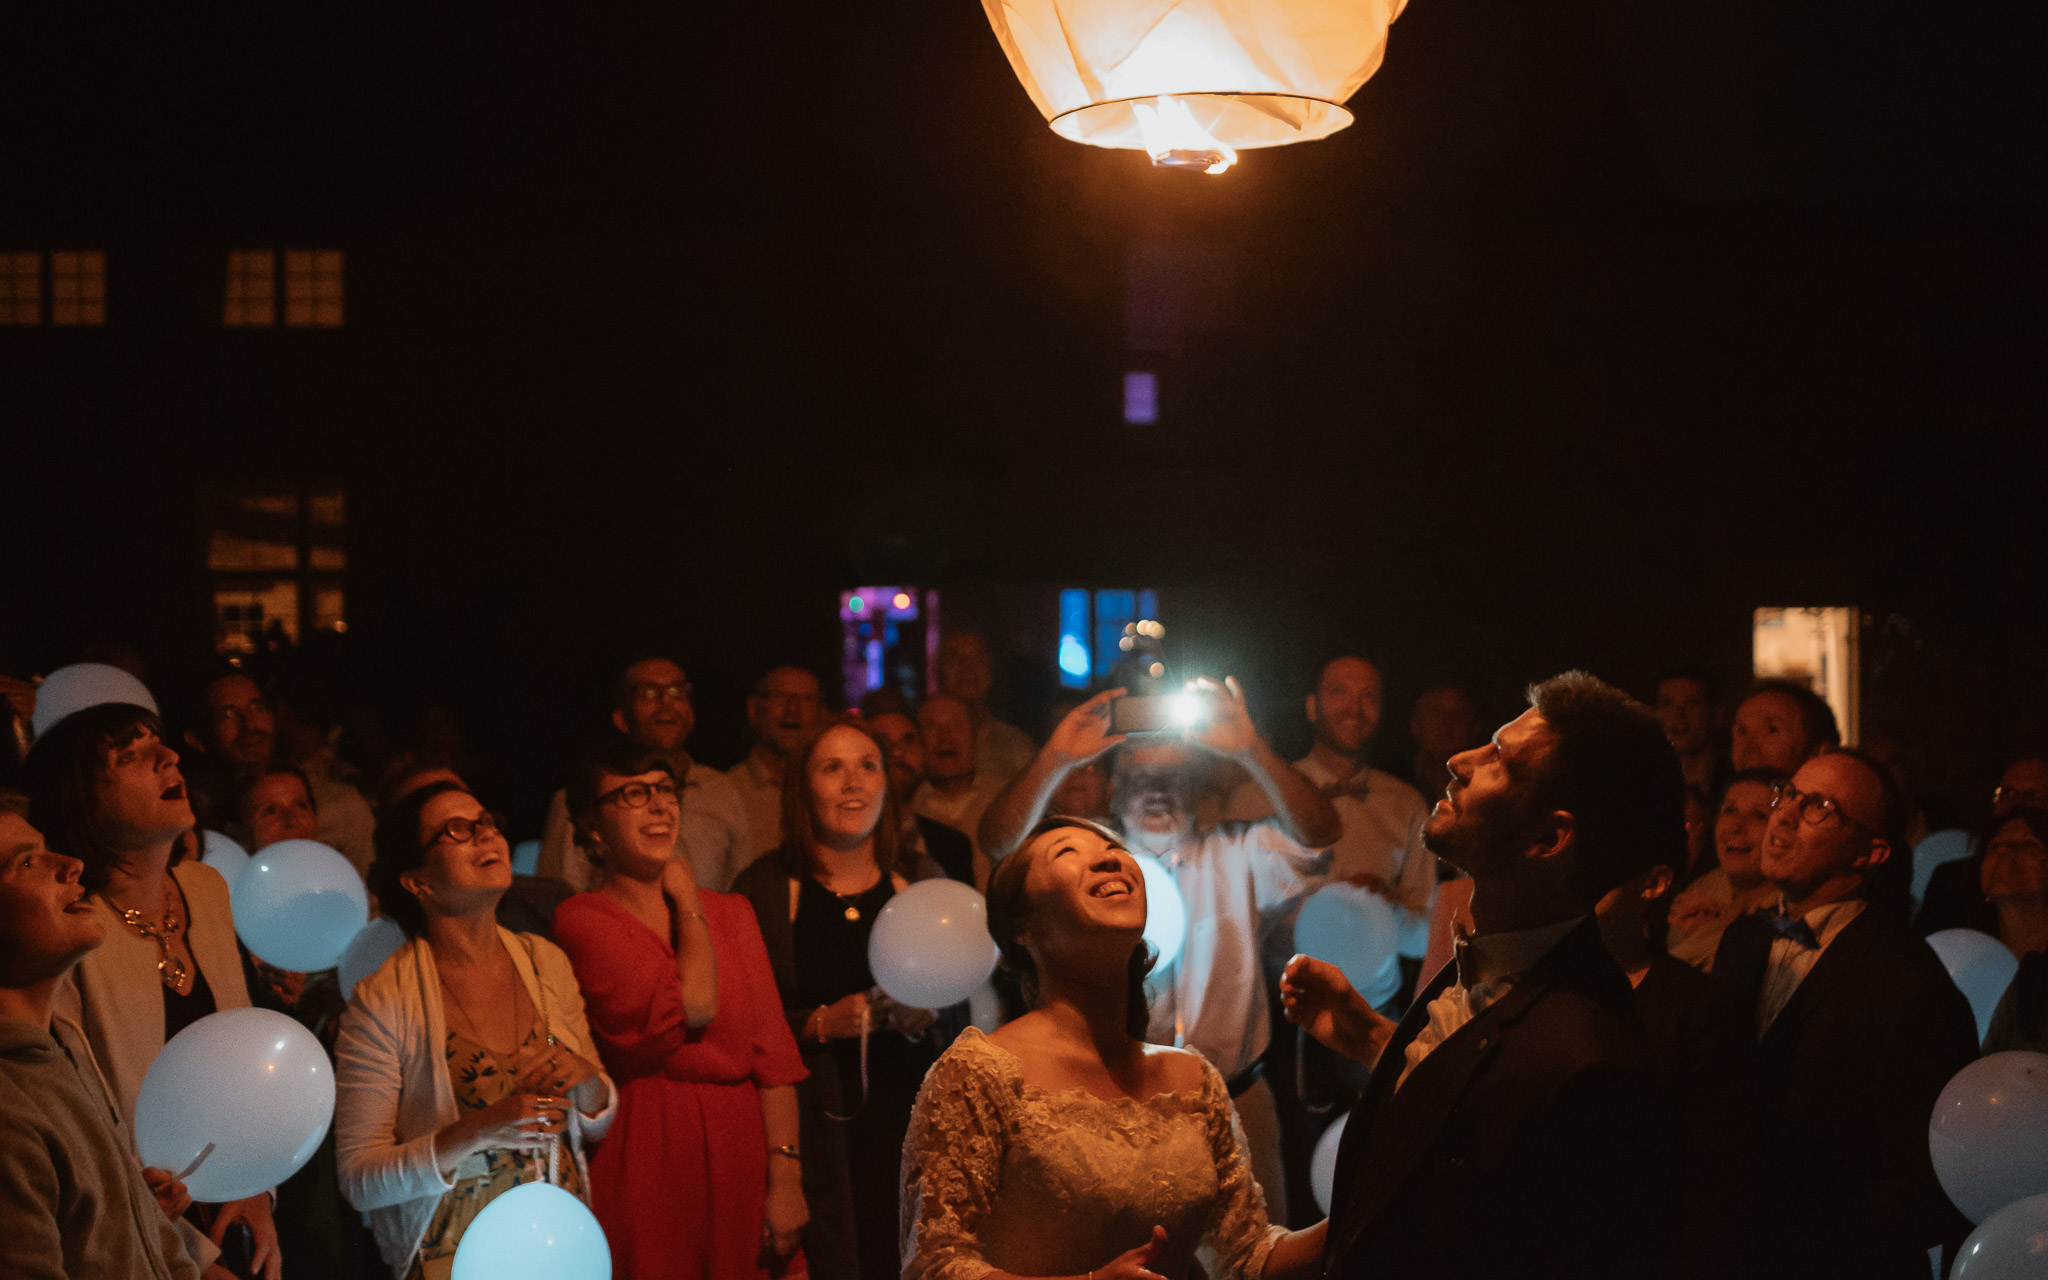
x: 1514, y: 1124
x: 1857, y: 1026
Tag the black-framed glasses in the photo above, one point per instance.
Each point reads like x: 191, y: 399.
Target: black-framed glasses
x: 1815, y: 810
x: 2030, y: 797
x: 679, y: 691
x: 465, y: 830
x: 636, y: 795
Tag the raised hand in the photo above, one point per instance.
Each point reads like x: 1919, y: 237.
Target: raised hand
x: 1083, y: 733
x: 1229, y: 731
x: 1316, y: 996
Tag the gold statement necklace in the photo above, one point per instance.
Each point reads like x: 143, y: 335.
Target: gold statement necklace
x: 161, y: 932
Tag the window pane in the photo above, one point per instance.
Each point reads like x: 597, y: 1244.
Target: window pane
x: 1074, y: 662
x: 313, y: 288
x: 249, y: 617
x: 254, y: 530
x: 21, y: 288
x: 78, y: 287
x: 327, y: 531
x: 251, y: 289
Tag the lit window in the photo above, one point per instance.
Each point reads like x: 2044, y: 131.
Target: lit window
x: 1141, y: 399
x: 276, y: 554
x: 1817, y: 648
x: 884, y: 635
x: 1093, y: 631
x: 312, y: 288
x: 21, y: 288
x: 78, y: 287
x: 252, y: 289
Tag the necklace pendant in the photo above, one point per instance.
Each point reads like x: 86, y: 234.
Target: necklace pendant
x: 853, y: 913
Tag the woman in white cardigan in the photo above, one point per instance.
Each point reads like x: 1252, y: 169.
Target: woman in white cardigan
x: 464, y: 1066
x: 106, y: 789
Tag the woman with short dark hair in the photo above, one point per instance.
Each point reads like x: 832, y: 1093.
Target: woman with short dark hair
x: 105, y: 788
x: 463, y: 1064
x: 700, y: 1177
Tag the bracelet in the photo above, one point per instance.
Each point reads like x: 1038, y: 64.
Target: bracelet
x: 814, y: 1026
x: 787, y: 1149
x: 691, y: 915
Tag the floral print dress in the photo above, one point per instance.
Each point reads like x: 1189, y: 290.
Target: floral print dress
x: 481, y: 1077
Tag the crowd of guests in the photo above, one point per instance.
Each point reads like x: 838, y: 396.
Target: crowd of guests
x: 1706, y: 1034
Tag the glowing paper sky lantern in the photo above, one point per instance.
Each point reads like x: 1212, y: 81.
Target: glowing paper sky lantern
x: 1193, y: 82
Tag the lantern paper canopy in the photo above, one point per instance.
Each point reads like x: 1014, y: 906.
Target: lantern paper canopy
x: 1193, y: 82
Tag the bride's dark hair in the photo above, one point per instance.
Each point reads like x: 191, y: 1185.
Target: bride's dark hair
x: 1009, y: 909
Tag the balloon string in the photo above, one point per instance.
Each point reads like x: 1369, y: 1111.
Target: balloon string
x: 863, y: 1069
x: 193, y: 1168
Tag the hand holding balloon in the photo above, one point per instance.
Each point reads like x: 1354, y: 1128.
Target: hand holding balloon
x: 560, y: 1072
x: 519, y: 1122
x: 905, y: 1020
x: 170, y: 1193
x: 840, y: 1020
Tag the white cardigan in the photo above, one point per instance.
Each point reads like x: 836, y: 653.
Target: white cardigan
x: 393, y: 1094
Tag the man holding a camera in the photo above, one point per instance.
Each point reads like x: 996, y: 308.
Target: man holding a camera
x: 1212, y: 998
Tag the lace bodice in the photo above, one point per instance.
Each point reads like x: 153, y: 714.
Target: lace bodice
x: 1000, y: 1177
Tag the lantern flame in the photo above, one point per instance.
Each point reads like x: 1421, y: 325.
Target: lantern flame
x: 1175, y: 140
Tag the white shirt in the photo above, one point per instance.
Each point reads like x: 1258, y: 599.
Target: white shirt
x: 1492, y: 963
x: 1790, y: 962
x: 962, y: 811
x: 1213, y: 998
x: 1383, y: 818
x: 712, y: 830
x: 761, y: 800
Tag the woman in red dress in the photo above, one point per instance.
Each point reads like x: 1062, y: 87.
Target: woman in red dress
x: 700, y: 1175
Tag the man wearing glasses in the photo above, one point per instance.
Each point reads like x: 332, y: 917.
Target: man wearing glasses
x: 785, y: 708
x: 1858, y: 1027
x: 651, y: 707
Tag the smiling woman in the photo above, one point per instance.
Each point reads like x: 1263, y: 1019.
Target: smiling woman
x: 815, y: 900
x: 463, y: 1065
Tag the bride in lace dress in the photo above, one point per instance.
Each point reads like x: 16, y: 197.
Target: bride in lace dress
x: 1064, y: 1145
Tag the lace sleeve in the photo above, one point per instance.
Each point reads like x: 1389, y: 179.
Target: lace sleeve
x: 1242, y: 1236
x: 952, y: 1162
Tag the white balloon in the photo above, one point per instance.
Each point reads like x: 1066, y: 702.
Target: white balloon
x: 2011, y: 1245
x: 82, y: 685
x: 223, y: 855
x: 1322, y: 1164
x: 1937, y: 847
x: 1166, y: 913
x: 535, y: 1231
x: 298, y: 904
x: 1356, y: 930
x: 930, y: 946
x: 366, y: 953
x: 1989, y: 1133
x: 252, y: 1084
x: 1982, y: 967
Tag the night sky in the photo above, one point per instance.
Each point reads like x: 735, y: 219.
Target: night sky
x: 1602, y: 325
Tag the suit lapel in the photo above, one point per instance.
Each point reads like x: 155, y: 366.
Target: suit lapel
x: 1833, y: 968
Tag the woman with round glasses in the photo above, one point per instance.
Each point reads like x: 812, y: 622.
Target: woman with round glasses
x: 106, y: 789
x: 463, y: 1066
x: 701, y: 1174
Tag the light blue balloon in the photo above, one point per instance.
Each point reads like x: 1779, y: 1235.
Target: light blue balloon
x: 1981, y: 966
x: 930, y: 947
x: 223, y: 855
x: 252, y: 1084
x: 1166, y: 912
x: 82, y: 685
x: 1989, y: 1133
x: 366, y: 953
x: 1937, y: 847
x: 2011, y: 1245
x: 535, y: 1231
x: 1356, y: 930
x: 1322, y: 1164
x: 298, y: 905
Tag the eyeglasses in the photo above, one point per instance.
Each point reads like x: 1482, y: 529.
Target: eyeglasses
x: 650, y: 693
x: 464, y: 830
x: 1815, y: 810
x: 2033, y: 797
x: 635, y: 795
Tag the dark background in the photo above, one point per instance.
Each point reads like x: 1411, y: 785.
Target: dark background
x: 1605, y: 323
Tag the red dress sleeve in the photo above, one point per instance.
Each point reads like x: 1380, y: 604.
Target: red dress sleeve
x: 776, y: 1060
x: 631, y: 994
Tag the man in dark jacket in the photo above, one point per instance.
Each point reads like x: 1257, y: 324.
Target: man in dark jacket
x: 74, y: 1204
x: 1858, y: 1028
x: 1515, y: 1124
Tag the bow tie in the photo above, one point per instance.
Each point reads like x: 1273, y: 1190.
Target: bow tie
x: 1791, y: 927
x: 1358, y: 784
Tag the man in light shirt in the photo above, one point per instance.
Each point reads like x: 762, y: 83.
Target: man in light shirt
x: 955, y: 792
x: 1857, y: 1027
x: 1515, y: 1123
x: 1001, y: 751
x: 786, y: 707
x: 1213, y: 997
x: 651, y: 706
